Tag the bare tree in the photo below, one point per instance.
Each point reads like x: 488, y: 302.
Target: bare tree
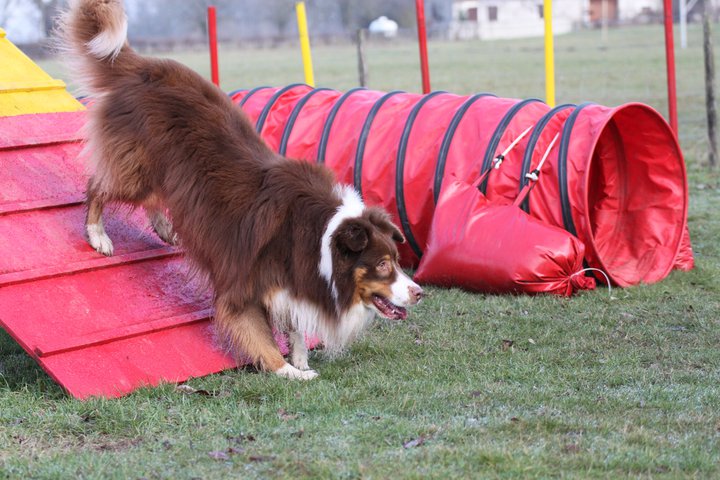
x: 347, y: 14
x: 710, y: 84
x: 197, y: 11
x: 280, y: 12
x: 175, y: 18
x: 354, y: 14
x: 48, y: 12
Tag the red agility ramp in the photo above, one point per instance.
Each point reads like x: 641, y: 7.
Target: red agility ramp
x: 99, y: 326
x: 616, y: 179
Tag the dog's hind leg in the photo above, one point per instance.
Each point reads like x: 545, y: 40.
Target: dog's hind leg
x: 162, y: 226
x: 249, y: 333
x: 96, y: 235
x: 159, y: 221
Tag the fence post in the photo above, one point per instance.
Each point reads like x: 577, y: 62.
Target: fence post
x: 212, y: 40
x: 549, y: 55
x: 305, y: 43
x: 422, y: 40
x: 362, y: 63
x: 710, y: 84
x: 670, y: 65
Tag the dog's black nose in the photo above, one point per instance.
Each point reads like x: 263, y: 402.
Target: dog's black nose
x: 416, y: 293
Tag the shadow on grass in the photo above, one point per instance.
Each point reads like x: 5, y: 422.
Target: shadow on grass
x: 20, y: 372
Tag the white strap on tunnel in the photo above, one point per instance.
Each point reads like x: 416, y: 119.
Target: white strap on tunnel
x: 590, y: 269
x: 499, y: 159
x: 535, y: 174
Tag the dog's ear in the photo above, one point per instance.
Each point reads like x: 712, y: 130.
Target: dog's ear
x: 396, y: 233
x: 382, y: 220
x: 352, y: 236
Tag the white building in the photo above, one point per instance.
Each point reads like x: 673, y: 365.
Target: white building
x: 383, y: 26
x: 489, y: 19
x: 629, y: 10
x: 492, y: 19
x: 623, y: 11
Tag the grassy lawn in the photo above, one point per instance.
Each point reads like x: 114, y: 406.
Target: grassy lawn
x: 591, y: 387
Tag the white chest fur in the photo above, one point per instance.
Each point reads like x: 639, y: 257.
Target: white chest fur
x: 300, y: 315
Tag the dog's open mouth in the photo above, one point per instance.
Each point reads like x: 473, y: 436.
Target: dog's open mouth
x: 388, y: 309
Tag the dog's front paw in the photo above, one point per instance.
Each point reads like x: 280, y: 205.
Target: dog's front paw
x: 300, y: 360
x: 98, y: 239
x: 288, y: 371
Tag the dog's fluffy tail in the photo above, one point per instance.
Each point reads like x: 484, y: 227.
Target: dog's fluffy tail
x: 92, y: 36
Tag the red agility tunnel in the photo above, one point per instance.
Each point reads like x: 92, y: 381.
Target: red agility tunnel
x: 616, y: 179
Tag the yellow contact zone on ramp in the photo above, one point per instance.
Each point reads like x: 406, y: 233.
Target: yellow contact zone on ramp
x: 25, y: 88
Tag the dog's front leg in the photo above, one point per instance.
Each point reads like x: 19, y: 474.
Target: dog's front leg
x: 248, y: 331
x: 298, y: 350
x: 96, y: 235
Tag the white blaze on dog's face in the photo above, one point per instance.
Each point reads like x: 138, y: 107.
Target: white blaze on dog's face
x: 366, y: 269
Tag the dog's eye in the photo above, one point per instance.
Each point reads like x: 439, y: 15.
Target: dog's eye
x: 384, y: 267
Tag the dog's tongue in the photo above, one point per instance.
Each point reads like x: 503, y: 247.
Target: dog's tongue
x: 389, y: 309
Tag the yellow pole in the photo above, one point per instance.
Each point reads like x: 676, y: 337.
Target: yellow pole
x: 305, y: 43
x: 549, y: 55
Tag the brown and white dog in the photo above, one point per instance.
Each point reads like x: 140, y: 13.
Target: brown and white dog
x: 282, y: 244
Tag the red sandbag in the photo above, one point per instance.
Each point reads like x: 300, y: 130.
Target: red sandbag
x: 498, y: 248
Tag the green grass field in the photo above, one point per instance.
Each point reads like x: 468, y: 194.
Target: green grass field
x: 591, y: 387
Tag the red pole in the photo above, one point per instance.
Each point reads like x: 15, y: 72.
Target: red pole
x: 670, y: 61
x: 212, y: 39
x: 422, y: 40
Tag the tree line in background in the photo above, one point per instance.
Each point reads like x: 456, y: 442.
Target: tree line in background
x: 47, y: 10
x: 275, y: 19
x: 185, y: 20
